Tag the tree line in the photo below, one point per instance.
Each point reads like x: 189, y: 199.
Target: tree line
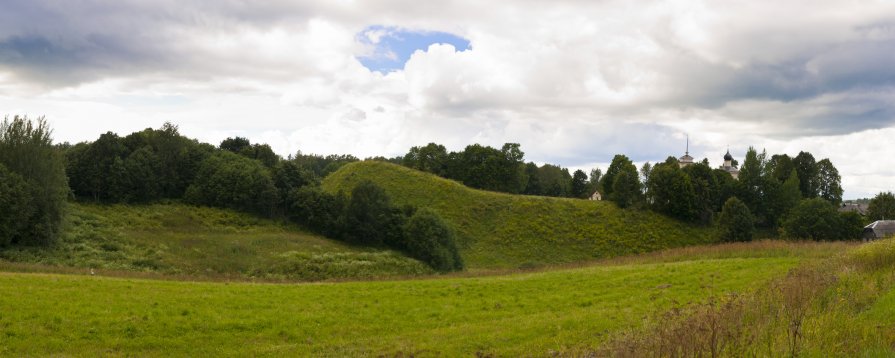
x: 502, y: 170
x: 37, y: 177
x: 794, y: 196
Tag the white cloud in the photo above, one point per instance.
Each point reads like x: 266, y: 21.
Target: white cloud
x: 573, y: 81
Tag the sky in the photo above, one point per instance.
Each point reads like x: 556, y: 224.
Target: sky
x: 574, y: 82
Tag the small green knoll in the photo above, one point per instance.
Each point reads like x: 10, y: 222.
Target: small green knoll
x: 200, y: 242
x: 499, y: 230
x: 512, y: 315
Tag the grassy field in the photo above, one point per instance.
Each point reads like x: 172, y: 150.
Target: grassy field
x: 529, y: 313
x: 501, y: 230
x: 843, y: 306
x: 196, y: 242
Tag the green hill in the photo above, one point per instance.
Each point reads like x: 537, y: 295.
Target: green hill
x: 200, y: 242
x: 499, y: 230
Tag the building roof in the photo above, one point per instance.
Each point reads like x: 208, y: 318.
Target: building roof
x: 728, y: 156
x: 858, y: 208
x: 881, y: 228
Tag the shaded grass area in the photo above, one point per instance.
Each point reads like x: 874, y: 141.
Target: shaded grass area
x: 514, y: 315
x: 181, y: 240
x: 499, y: 230
x: 843, y: 306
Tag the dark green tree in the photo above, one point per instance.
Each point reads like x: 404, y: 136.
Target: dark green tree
x: 533, y: 180
x: 26, y: 148
x: 829, y: 183
x: 806, y: 168
x: 735, y: 223
x: 814, y: 219
x: 671, y: 191
x: 370, y: 218
x: 317, y: 210
x: 235, y: 144
x: 626, y: 188
x: 619, y: 163
x: 579, y: 185
x: 554, y: 181
x: 15, y: 207
x: 706, y: 190
x: 429, y: 239
x: 231, y: 181
x: 882, y: 207
x: 432, y: 158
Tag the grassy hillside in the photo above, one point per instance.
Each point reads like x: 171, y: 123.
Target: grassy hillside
x: 513, y: 315
x: 176, y: 239
x: 501, y: 230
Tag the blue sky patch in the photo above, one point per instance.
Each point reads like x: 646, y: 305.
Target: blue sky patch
x: 393, y: 46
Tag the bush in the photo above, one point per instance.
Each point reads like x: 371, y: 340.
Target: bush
x: 228, y: 180
x: 317, y: 210
x: 370, y: 219
x: 735, y: 223
x: 429, y: 239
x: 27, y: 150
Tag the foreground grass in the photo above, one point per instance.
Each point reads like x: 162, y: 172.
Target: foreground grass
x: 843, y: 306
x: 181, y: 240
x: 505, y: 231
x: 521, y: 314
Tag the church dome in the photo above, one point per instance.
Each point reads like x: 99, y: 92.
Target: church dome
x: 728, y: 156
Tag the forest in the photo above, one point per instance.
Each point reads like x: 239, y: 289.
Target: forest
x: 791, y: 197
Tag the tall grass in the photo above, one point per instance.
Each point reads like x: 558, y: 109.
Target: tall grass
x: 825, y: 308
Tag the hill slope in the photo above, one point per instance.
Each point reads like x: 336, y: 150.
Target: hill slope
x: 201, y: 242
x: 501, y: 230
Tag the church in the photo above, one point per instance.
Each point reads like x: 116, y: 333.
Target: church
x: 728, y: 165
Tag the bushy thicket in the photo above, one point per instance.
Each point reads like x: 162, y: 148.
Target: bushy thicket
x: 369, y: 218
x: 33, y: 185
x: 817, y: 219
x: 231, y: 181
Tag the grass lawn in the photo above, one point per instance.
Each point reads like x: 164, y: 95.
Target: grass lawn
x: 509, y: 315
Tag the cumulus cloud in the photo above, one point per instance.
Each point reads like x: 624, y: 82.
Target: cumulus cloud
x: 573, y: 81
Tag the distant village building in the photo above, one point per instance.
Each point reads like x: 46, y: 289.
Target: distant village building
x: 728, y: 165
x: 596, y: 196
x: 879, y: 229
x: 686, y: 159
x: 854, y: 207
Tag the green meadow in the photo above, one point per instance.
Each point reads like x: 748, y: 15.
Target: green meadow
x: 499, y: 230
x: 200, y: 242
x: 531, y: 313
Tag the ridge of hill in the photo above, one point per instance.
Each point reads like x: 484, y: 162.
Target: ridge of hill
x: 498, y: 230
x: 200, y: 243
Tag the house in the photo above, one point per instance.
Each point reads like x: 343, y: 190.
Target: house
x: 596, y: 196
x: 879, y: 229
x: 856, y: 207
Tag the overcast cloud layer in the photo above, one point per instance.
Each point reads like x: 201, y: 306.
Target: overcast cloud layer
x: 574, y: 82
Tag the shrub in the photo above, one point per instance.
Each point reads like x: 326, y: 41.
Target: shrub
x: 429, y: 239
x: 735, y: 223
